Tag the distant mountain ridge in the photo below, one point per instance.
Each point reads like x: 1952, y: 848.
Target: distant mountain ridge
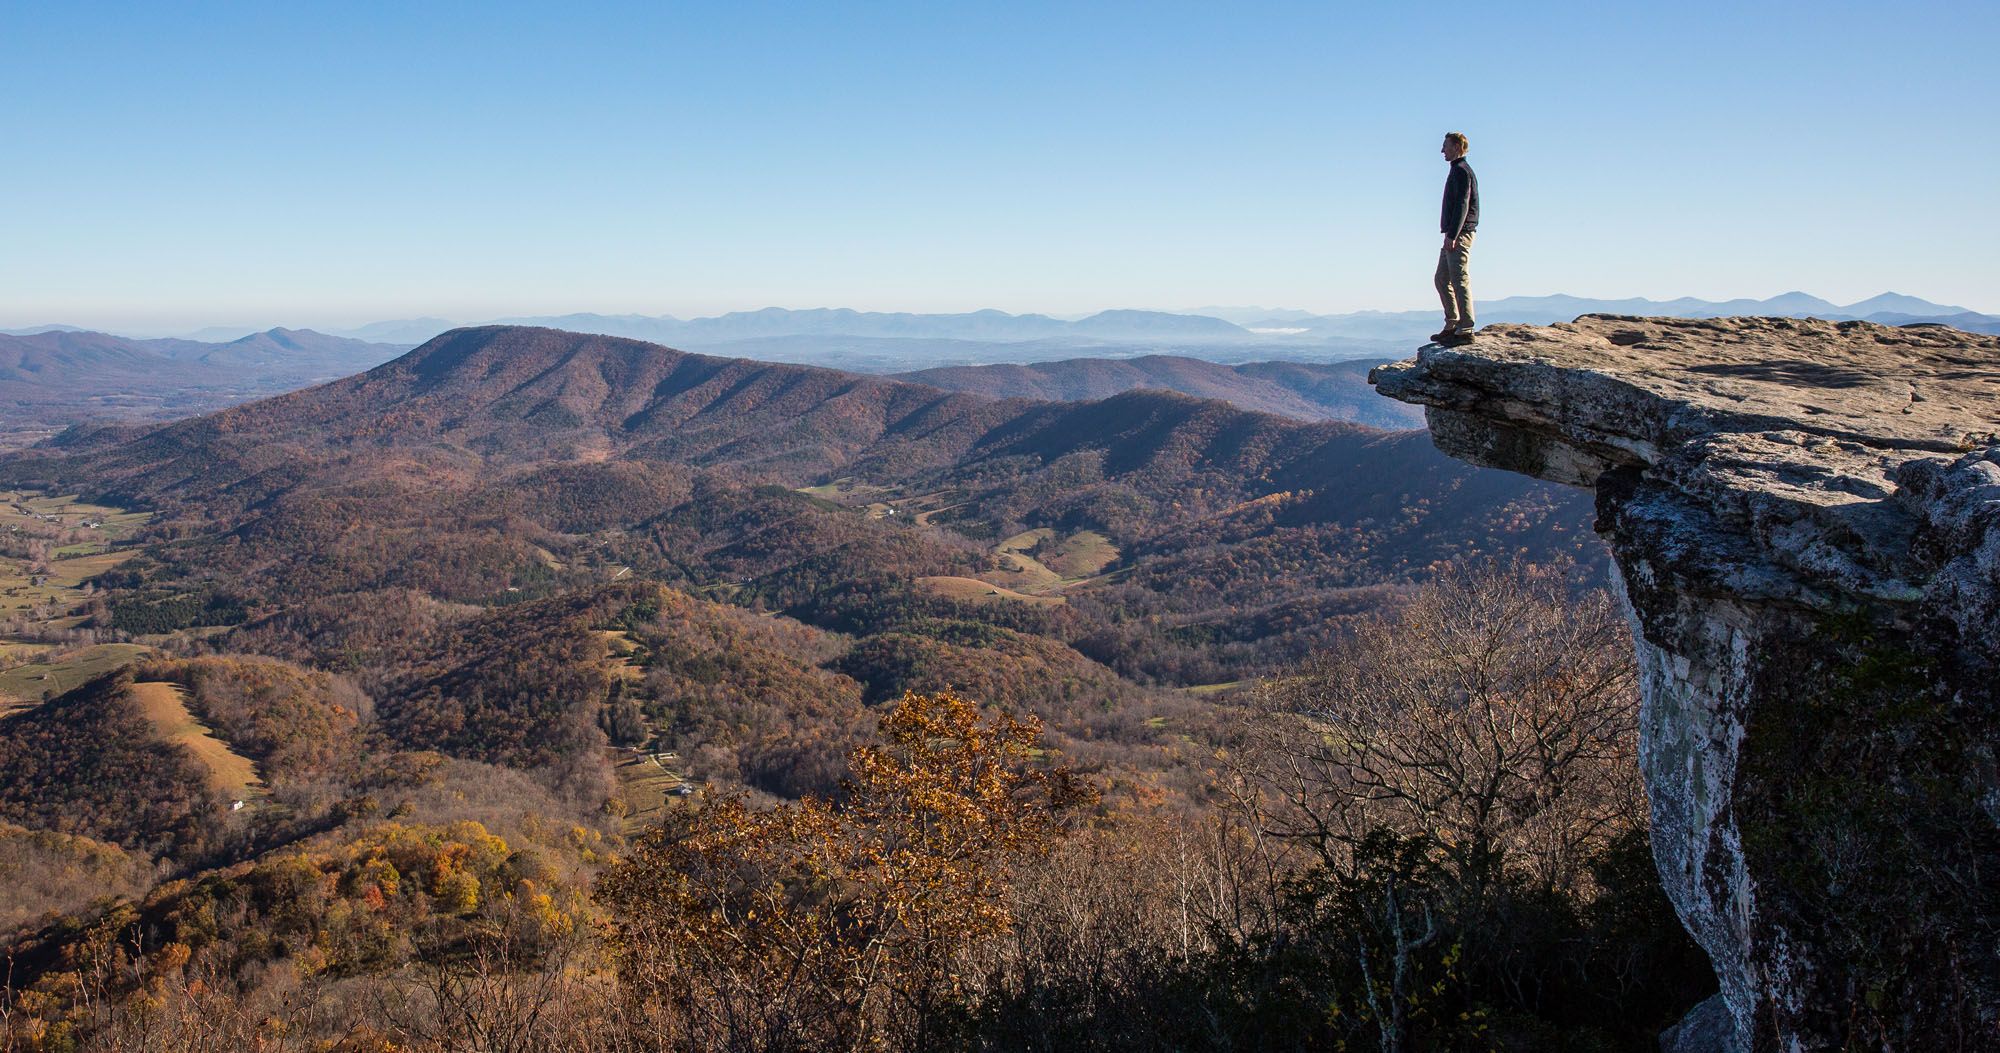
x: 1305, y: 390
x: 988, y: 325
x: 498, y: 461
x: 95, y: 376
x: 877, y: 341
x: 1192, y: 488
x: 502, y: 395
x: 1215, y: 323
x: 289, y: 354
x: 63, y: 373
x: 1888, y: 308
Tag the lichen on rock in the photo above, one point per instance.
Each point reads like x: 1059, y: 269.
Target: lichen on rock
x: 1805, y: 520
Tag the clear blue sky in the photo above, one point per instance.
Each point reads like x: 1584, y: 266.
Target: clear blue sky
x: 328, y: 164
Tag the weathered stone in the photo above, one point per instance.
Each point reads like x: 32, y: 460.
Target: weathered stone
x: 1637, y: 382
x: 1707, y: 1029
x: 1806, y: 523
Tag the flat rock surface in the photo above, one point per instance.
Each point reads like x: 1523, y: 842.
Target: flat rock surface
x: 1662, y: 381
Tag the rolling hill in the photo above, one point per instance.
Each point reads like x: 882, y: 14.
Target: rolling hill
x: 508, y: 461
x: 288, y: 357
x: 478, y: 400
x: 62, y: 375
x: 453, y: 628
x: 889, y: 342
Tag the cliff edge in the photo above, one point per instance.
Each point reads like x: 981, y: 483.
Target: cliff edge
x: 1805, y: 520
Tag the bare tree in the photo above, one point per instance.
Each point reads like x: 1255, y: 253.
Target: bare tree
x: 1494, y: 714
x: 500, y: 993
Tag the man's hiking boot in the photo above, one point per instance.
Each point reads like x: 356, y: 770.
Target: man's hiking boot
x: 1456, y: 337
x: 1442, y: 335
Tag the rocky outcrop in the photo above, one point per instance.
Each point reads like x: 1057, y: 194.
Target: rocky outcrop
x: 1805, y: 519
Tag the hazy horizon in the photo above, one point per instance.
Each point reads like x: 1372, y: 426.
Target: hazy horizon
x: 331, y: 169
x: 157, y: 328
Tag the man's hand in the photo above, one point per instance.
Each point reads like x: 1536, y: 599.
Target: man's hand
x: 1451, y: 244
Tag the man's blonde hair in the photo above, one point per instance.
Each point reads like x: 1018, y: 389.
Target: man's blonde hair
x: 1457, y: 139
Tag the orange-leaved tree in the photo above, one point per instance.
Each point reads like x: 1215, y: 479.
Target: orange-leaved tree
x: 841, y: 925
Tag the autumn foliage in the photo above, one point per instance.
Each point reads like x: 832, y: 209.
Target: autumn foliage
x: 842, y: 925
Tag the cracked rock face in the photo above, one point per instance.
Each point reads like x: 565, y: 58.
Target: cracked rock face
x: 1806, y: 523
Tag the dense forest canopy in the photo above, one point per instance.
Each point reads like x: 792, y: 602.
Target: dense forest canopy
x: 418, y: 658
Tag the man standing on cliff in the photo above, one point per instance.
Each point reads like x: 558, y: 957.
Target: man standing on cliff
x: 1459, y: 219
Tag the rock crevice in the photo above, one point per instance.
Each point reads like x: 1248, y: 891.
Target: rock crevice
x: 1805, y: 520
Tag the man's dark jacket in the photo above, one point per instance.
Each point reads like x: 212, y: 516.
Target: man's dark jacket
x: 1461, y: 201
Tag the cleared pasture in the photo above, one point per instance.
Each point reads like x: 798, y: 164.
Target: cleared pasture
x: 13, y: 652
x: 1043, y: 561
x: 982, y: 591
x: 31, y: 510
x: 646, y: 786
x: 230, y: 772
x: 52, y: 674
x: 623, y: 652
x: 1080, y: 555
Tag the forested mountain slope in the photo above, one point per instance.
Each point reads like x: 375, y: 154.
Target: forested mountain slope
x: 502, y: 462
x: 423, y: 647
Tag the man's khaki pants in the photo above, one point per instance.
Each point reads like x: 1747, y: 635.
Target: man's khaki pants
x: 1454, y: 289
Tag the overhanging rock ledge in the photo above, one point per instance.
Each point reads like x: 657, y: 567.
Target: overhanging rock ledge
x: 1805, y: 524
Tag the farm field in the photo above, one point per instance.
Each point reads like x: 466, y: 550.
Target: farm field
x: 22, y: 589
x: 13, y: 652
x: 1044, y: 561
x: 27, y: 508
x: 1033, y: 566
x: 1080, y: 555
x: 70, y: 572
x: 52, y: 673
x: 81, y: 542
x: 52, y: 546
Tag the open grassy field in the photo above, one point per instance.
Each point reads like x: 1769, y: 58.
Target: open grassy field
x: 84, y: 538
x: 1044, y: 562
x: 924, y: 517
x: 50, y: 675
x: 982, y: 591
x: 623, y: 652
x: 1033, y: 566
x: 1025, y: 540
x: 75, y: 570
x: 14, y: 652
x: 26, y: 508
x: 846, y: 491
x: 230, y: 772
x: 22, y: 591
x: 1080, y: 555
x: 647, y: 786
x: 1024, y: 573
